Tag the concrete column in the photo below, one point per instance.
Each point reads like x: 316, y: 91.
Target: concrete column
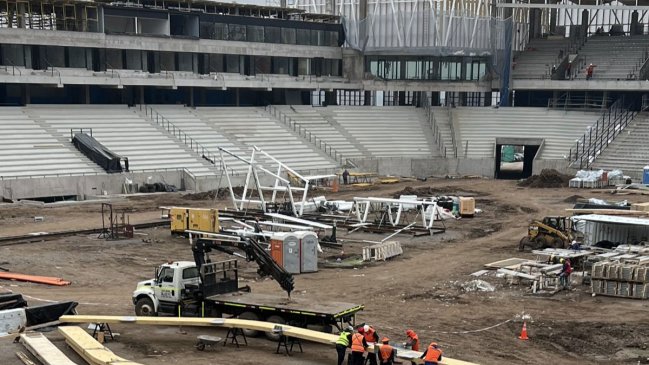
x: 27, y: 96
x: 191, y: 97
x: 553, y: 20
x: 86, y: 89
x: 236, y: 97
x: 141, y: 89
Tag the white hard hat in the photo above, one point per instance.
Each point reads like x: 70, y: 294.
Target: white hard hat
x: 366, y: 328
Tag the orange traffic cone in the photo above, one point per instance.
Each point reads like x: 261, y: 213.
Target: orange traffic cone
x: 335, y: 186
x: 523, y: 335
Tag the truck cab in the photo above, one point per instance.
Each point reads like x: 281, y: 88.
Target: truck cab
x: 173, y: 283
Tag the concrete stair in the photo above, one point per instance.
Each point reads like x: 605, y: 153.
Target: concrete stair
x: 629, y: 151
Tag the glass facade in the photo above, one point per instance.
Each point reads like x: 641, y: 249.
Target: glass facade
x: 427, y: 68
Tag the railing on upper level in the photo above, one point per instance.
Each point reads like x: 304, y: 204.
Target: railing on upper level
x: 304, y: 133
x: 598, y: 136
x: 179, y: 134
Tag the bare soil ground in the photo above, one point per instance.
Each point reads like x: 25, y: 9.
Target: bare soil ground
x: 421, y: 289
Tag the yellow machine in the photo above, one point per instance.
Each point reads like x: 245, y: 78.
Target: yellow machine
x: 197, y: 219
x: 554, y: 232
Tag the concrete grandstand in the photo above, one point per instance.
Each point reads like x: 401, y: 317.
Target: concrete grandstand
x: 316, y: 86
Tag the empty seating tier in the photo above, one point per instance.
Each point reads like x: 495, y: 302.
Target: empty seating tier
x: 479, y: 128
x: 29, y: 149
x: 125, y: 132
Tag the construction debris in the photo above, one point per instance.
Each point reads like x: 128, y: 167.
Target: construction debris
x: 382, y: 251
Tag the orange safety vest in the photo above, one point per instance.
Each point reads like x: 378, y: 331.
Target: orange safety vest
x: 432, y: 354
x: 415, y: 342
x: 369, y: 335
x: 384, y: 352
x: 357, y: 343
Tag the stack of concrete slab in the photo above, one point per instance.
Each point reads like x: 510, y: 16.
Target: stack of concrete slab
x: 620, y: 279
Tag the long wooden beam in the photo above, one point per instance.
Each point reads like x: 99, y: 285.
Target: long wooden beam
x: 298, y: 332
x: 89, y: 349
x: 44, y: 350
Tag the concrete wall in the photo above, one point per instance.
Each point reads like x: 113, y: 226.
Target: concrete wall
x: 81, y: 186
x: 420, y: 167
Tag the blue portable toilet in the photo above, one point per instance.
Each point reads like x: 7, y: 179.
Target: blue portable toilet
x: 645, y: 175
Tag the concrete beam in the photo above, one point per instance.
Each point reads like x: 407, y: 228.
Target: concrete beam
x: 101, y: 40
x: 573, y: 85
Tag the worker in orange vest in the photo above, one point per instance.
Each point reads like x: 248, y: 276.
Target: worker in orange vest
x: 371, y: 337
x: 432, y: 355
x: 413, y: 340
x: 358, y: 347
x: 386, y: 352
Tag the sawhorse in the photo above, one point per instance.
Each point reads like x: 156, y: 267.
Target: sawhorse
x: 102, y: 328
x: 285, y: 341
x: 233, y: 334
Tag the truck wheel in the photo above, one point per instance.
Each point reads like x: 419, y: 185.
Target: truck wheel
x: 523, y: 243
x: 253, y: 317
x: 274, y: 319
x: 144, y: 307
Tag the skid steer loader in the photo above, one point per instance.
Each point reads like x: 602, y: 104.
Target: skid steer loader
x: 555, y: 232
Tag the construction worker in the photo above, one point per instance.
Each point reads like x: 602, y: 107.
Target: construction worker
x: 344, y: 341
x: 386, y: 352
x: 432, y: 355
x: 371, y: 337
x: 345, y: 177
x: 589, y: 71
x: 413, y: 340
x: 358, y: 346
x: 564, y: 274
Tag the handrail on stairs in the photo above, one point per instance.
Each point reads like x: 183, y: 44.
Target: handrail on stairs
x: 306, y: 134
x: 430, y: 116
x: 180, y: 135
x: 598, y: 136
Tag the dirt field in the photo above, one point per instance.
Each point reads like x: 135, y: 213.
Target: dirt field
x: 421, y: 289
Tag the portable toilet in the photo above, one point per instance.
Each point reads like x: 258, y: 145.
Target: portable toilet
x: 285, y: 250
x: 308, y: 251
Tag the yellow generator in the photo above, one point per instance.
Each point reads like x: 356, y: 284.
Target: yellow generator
x: 195, y: 219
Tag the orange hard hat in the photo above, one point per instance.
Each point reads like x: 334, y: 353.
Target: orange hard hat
x: 410, y: 332
x: 385, y: 340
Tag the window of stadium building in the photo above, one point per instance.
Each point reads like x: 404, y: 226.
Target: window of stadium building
x: 268, y: 34
x: 427, y: 68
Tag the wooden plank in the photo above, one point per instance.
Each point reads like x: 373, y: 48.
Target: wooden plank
x: 505, y: 263
x: 89, y: 349
x: 44, y: 350
x: 518, y: 274
x: 24, y: 358
x: 302, y: 333
x: 608, y: 212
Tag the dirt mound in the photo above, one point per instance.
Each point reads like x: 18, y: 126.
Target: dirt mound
x: 549, y: 178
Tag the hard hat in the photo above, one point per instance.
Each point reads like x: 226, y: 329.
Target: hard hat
x: 385, y: 340
x: 366, y: 328
x: 409, y: 332
x: 434, y: 344
x: 561, y: 261
x: 350, y: 329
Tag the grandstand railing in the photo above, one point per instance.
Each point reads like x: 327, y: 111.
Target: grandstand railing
x: 597, y: 137
x: 180, y: 135
x: 306, y: 134
x: 430, y: 116
x: 96, y: 173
